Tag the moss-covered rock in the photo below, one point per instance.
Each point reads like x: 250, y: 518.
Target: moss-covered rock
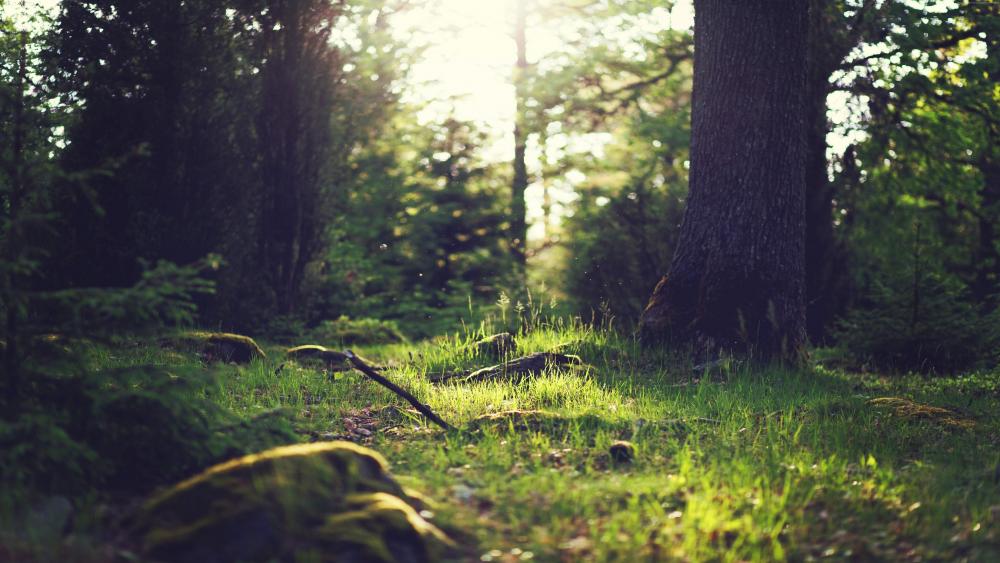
x: 332, y: 358
x: 357, y: 331
x: 374, y: 527
x: 334, y: 499
x: 496, y: 346
x: 622, y: 451
x: 219, y: 346
x: 911, y: 410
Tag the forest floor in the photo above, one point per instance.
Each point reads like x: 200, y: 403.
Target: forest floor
x: 735, y: 465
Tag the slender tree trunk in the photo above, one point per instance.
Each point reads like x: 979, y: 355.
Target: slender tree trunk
x: 518, y: 220
x: 987, y: 257
x: 987, y: 281
x: 12, y: 360
x: 737, y: 280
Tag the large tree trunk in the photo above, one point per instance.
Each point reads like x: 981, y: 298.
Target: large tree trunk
x: 737, y: 280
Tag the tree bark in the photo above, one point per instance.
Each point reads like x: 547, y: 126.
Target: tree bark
x: 518, y: 209
x: 18, y: 190
x: 737, y: 280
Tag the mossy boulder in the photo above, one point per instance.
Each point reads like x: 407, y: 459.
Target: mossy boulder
x: 335, y: 501
x: 622, y: 451
x: 357, y: 331
x: 911, y: 410
x: 496, y: 346
x: 374, y: 527
x: 311, y: 352
x: 220, y: 346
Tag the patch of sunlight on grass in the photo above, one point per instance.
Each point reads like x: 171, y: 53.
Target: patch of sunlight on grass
x: 748, y: 464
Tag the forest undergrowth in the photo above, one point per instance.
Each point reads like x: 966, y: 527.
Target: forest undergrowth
x: 726, y: 463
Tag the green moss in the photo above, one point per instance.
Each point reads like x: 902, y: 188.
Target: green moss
x: 219, y: 346
x: 622, y: 451
x: 316, y: 353
x: 359, y: 331
x: 377, y: 527
x: 905, y: 408
x: 496, y: 346
x: 266, y: 505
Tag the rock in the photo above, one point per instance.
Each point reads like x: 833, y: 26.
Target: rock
x: 332, y: 358
x: 326, y: 501
x: 718, y: 366
x: 346, y: 331
x: 496, y: 346
x: 221, y: 346
x: 905, y: 408
x: 622, y: 451
x: 395, y: 530
x: 995, y: 513
x: 514, y: 370
x: 49, y: 519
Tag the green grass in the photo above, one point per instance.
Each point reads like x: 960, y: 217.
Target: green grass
x: 740, y: 466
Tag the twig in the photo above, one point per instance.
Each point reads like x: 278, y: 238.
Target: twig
x: 364, y: 368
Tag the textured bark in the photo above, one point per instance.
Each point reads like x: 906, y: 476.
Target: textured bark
x: 17, y: 192
x: 737, y: 280
x: 518, y: 209
x: 987, y: 255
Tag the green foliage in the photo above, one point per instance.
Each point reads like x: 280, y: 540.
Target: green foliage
x: 759, y: 465
x: 625, y: 86
x: 164, y: 295
x: 205, y: 156
x: 126, y: 430
x: 931, y: 327
x: 37, y: 454
x: 422, y: 238
x: 919, y: 196
x: 621, y: 245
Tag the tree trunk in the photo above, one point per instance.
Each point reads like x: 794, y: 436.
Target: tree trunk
x: 986, y: 255
x: 825, y: 53
x: 737, y: 280
x: 518, y: 220
x: 11, y: 350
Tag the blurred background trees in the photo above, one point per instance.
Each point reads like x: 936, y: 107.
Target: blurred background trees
x: 284, y: 136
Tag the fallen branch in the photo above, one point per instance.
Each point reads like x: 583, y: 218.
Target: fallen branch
x: 527, y: 365
x: 375, y: 376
